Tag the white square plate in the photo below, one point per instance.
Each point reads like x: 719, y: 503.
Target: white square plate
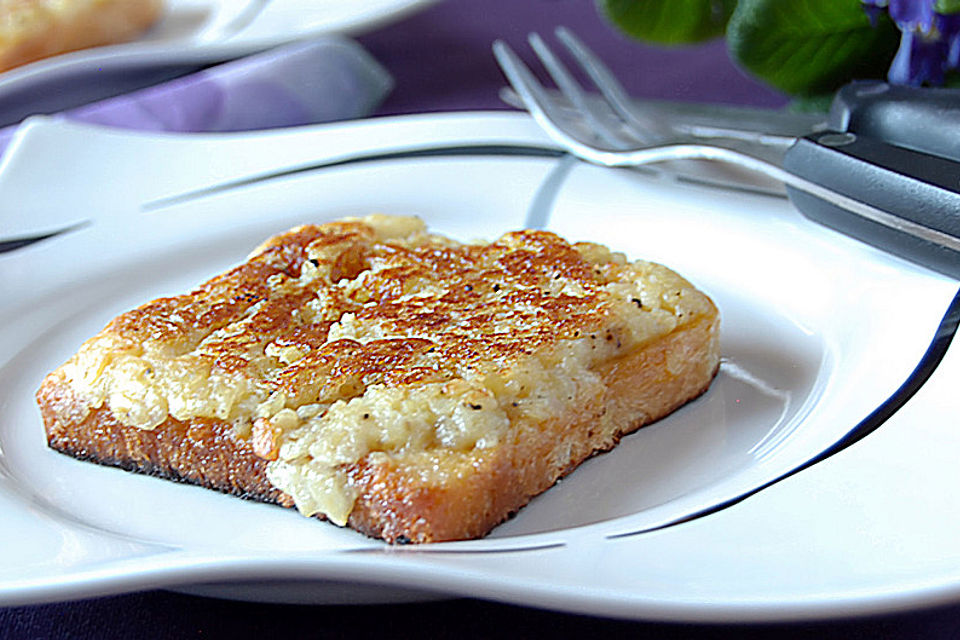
x: 717, y: 512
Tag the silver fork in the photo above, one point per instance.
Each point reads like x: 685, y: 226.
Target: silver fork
x: 610, y: 130
x: 616, y: 133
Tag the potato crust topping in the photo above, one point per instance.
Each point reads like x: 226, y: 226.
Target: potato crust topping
x: 371, y: 337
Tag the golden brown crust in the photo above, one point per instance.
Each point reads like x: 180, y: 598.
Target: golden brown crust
x: 202, y: 451
x: 458, y: 320
x: 396, y: 505
x: 458, y: 381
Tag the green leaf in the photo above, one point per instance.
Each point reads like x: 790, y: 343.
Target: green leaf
x: 951, y: 79
x: 946, y: 6
x: 819, y: 103
x: 670, y: 22
x: 809, y: 47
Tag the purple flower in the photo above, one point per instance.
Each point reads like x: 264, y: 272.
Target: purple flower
x: 918, y: 61
x: 930, y: 40
x: 912, y: 14
x: 949, y: 27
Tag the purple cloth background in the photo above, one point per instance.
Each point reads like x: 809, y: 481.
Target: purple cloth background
x: 322, y: 80
x: 440, y: 60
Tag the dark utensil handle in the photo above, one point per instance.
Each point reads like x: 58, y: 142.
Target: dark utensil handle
x: 925, y: 120
x: 919, y: 188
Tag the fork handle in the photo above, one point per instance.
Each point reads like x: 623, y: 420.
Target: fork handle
x: 919, y: 192
x: 925, y: 120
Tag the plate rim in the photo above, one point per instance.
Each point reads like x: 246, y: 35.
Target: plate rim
x: 747, y: 611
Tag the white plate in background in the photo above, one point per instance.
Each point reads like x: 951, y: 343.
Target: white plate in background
x: 191, y: 34
x: 819, y: 332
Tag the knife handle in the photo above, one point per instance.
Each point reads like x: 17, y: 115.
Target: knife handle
x: 925, y: 120
x: 918, y: 190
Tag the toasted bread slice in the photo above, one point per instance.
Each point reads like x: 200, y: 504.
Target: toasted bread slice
x: 31, y: 30
x: 412, y: 387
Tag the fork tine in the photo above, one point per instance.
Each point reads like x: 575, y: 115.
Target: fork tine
x: 529, y: 89
x: 534, y: 96
x: 645, y: 126
x: 573, y: 92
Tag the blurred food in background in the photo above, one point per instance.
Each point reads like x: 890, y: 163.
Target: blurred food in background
x: 31, y: 30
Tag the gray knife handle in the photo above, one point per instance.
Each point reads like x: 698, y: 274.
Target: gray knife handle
x: 926, y: 120
x: 922, y: 189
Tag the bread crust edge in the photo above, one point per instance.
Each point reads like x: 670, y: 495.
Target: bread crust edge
x: 394, y: 503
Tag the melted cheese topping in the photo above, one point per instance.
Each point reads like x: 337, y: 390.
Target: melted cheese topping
x: 373, y: 337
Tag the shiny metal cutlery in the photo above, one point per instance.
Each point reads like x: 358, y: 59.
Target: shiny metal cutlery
x: 858, y: 171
